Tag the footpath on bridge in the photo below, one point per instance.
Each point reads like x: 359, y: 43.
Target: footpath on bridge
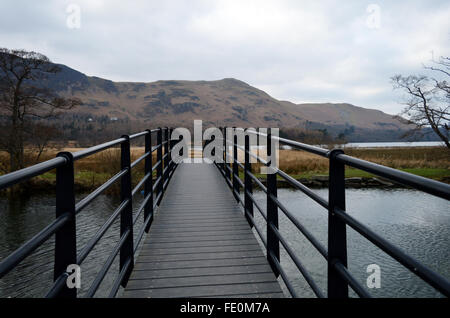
x: 200, y: 244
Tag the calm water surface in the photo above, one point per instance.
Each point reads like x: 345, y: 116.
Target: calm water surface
x: 21, y: 219
x: 416, y: 222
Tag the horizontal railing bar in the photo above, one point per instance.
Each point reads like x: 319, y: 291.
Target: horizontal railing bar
x: 426, y: 185
x: 298, y: 145
x: 239, y: 198
x: 229, y: 168
x: 141, y: 207
x: 155, y: 166
x: 26, y: 249
x: 99, y: 234
x: 15, y: 177
x: 258, y: 230
x: 283, y: 274
x: 297, y: 263
x: 155, y: 184
x: 228, y: 181
x: 140, y: 184
x: 91, y: 196
x: 256, y: 204
x: 313, y: 149
x: 59, y: 283
x: 139, y: 135
x: 155, y: 202
x: 303, y: 188
x: 257, y: 181
x: 156, y: 147
x: 145, y: 155
x: 141, y: 233
x: 92, y: 150
x: 119, y: 278
x: 101, y: 275
x: 240, y: 165
x: 430, y: 186
x: 354, y: 284
x: 320, y: 248
x: 437, y: 281
x: 238, y: 180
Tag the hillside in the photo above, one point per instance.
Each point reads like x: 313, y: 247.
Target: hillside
x: 223, y: 102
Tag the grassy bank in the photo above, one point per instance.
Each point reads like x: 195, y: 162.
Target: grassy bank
x: 93, y: 171
x: 430, y: 162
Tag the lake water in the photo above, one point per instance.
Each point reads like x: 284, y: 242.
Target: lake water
x: 416, y: 222
x: 394, y: 144
x: 20, y: 220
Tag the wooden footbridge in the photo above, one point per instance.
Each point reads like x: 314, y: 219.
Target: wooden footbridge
x: 200, y: 245
x: 201, y: 236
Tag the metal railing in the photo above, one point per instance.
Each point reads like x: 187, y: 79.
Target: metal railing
x: 339, y: 276
x: 64, y: 225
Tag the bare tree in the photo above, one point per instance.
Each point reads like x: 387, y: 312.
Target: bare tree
x: 40, y: 135
x: 23, y: 96
x: 428, y: 99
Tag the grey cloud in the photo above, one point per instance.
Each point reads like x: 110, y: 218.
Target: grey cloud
x: 295, y: 50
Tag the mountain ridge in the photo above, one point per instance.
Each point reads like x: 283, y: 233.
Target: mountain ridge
x: 225, y: 102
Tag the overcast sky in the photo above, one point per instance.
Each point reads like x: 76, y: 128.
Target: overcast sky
x: 301, y: 51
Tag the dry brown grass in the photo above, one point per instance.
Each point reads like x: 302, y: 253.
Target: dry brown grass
x: 402, y: 158
x: 96, y: 169
x: 299, y: 162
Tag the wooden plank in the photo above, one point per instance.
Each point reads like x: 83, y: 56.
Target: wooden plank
x: 199, y: 263
x: 201, y: 271
x: 205, y: 280
x: 188, y: 244
x: 196, y: 249
x: 201, y: 238
x: 200, y: 245
x: 218, y: 291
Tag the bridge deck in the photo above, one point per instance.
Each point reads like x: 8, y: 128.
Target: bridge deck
x: 200, y: 245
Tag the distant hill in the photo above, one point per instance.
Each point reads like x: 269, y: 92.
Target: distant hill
x: 226, y: 102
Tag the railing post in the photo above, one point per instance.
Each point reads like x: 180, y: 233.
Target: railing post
x: 159, y: 169
x: 126, y: 216
x: 248, y: 182
x: 148, y: 186
x: 166, y: 154
x: 337, y: 237
x: 235, y: 167
x: 170, y: 150
x: 220, y: 164
x: 65, y: 237
x: 273, y: 244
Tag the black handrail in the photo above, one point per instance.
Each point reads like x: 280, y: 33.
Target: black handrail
x: 339, y: 277
x: 63, y: 227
